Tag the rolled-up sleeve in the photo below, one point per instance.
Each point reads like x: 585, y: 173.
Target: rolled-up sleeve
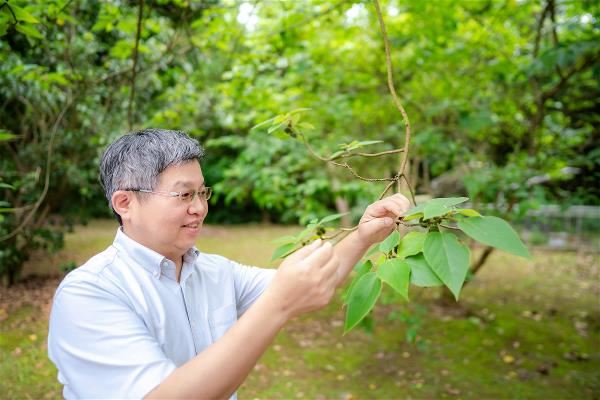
x: 101, y: 347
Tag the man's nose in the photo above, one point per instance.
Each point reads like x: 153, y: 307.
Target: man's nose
x: 198, y: 203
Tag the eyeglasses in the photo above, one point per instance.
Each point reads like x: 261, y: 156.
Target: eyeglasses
x: 185, y: 197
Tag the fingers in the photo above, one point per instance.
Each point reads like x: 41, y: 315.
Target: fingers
x: 303, y: 252
x: 395, y: 205
x: 321, y: 255
x: 402, y: 201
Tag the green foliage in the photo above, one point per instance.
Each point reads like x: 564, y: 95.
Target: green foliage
x: 396, y: 273
x: 495, y: 232
x: 316, y: 229
x: 389, y: 243
x: 362, y: 298
x: 411, y: 244
x: 421, y: 273
x: 448, y: 258
x: 425, y: 259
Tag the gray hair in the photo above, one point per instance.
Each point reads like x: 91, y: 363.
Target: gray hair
x: 135, y: 160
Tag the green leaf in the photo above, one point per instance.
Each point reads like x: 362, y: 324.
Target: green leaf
x: 494, y: 232
x: 29, y: 30
x: 421, y: 273
x: 372, y: 250
x: 263, y: 123
x: 390, y: 242
x: 274, y: 127
x: 396, y: 273
x: 361, y: 269
x: 307, y: 232
x: 56, y: 78
x: 362, y: 299
x: 411, y: 244
x: 415, y: 210
x: 448, y: 258
x: 337, y: 154
x: 122, y: 49
x: 285, y: 239
x: 6, y: 186
x: 413, y: 216
x: 306, y: 126
x: 332, y: 217
x: 282, y: 251
x: 3, y: 25
x: 294, y: 119
x: 369, y: 142
x: 6, y: 135
x: 279, y: 134
x: 299, y: 110
x: 441, y: 206
x: 467, y: 212
x: 349, y: 146
x: 23, y: 15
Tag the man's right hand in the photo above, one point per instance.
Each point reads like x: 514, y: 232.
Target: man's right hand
x: 306, y: 280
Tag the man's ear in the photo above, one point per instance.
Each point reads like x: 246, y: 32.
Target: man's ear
x: 121, y: 202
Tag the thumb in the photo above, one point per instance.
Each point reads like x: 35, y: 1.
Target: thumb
x: 379, y: 224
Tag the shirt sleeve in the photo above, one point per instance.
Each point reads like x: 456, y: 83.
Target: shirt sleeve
x: 250, y: 283
x: 101, y: 347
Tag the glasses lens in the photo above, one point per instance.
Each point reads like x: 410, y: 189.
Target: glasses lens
x: 187, y: 196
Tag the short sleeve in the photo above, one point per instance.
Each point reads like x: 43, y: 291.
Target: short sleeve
x: 250, y: 283
x: 101, y: 347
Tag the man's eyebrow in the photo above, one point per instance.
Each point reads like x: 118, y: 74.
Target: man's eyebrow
x: 187, y: 183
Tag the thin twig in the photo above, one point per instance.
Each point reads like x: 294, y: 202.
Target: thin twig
x: 383, y: 153
x: 311, y: 150
x: 410, y: 189
x: 362, y: 178
x: 389, y: 185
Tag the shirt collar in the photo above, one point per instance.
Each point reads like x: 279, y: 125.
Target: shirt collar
x: 150, y: 260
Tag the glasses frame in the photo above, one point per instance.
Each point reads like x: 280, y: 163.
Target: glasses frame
x: 203, y: 194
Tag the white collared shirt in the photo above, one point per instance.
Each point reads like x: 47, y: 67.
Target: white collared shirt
x: 121, y: 323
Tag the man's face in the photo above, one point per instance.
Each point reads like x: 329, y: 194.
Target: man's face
x: 169, y: 225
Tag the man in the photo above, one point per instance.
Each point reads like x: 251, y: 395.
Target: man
x: 153, y: 317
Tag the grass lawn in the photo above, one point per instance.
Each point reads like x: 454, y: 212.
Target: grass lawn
x: 523, y: 330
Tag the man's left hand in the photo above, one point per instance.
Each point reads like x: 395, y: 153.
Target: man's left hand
x: 379, y: 218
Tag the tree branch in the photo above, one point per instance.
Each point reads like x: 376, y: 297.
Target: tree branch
x: 390, y: 81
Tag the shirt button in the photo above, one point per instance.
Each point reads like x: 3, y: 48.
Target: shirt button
x: 156, y: 273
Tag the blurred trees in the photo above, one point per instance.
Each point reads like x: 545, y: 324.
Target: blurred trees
x: 502, y: 96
